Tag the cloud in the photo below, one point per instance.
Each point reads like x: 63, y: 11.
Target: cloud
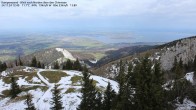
x: 132, y: 13
x: 105, y: 8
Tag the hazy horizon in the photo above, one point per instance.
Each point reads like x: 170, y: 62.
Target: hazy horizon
x: 104, y: 36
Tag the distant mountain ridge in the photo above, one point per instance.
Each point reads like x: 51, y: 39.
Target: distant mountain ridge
x: 184, y: 49
x: 122, y: 52
x: 49, y: 56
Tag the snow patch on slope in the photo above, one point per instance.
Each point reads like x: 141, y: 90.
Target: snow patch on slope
x: 5, y: 73
x: 36, y: 80
x: 3, y: 86
x: 93, y: 61
x: 22, y: 81
x: 187, y: 105
x: 66, y: 54
x: 103, y: 82
x: 189, y: 76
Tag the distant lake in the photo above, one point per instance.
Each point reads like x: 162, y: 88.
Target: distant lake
x: 106, y: 36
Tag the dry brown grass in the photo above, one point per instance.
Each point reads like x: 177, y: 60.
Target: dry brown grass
x: 22, y: 74
x: 70, y: 90
x: 76, y: 79
x: 53, y: 76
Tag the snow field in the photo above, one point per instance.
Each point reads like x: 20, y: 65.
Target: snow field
x: 42, y: 99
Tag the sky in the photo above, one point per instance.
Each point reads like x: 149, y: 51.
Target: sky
x: 114, y: 20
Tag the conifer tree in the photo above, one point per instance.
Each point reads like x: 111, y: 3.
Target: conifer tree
x: 178, y: 72
x: 194, y: 63
x: 131, y: 75
x: 194, y: 67
x: 64, y: 66
x: 109, y: 98
x: 121, y: 79
x: 126, y: 96
x: 149, y: 91
x: 98, y: 101
x: 43, y: 66
x: 34, y: 62
x: 126, y: 99
x: 56, y: 65
x: 77, y: 65
x: 15, y: 90
x: 3, y: 66
x: 69, y: 65
x: 129, y: 102
x: 192, y: 93
x: 88, y: 92
x: 181, y: 63
x: 29, y: 103
x: 156, y: 88
x: 180, y: 89
x: 16, y: 63
x: 56, y: 102
x: 20, y: 61
x: 143, y: 95
x: 39, y: 64
x: 174, y: 64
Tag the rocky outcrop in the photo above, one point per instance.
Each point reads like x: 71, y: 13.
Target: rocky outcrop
x: 47, y: 56
x: 183, y: 48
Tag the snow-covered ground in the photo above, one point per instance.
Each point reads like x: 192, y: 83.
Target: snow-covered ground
x: 189, y: 76
x: 42, y: 98
x: 93, y: 61
x: 187, y: 105
x: 66, y: 53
